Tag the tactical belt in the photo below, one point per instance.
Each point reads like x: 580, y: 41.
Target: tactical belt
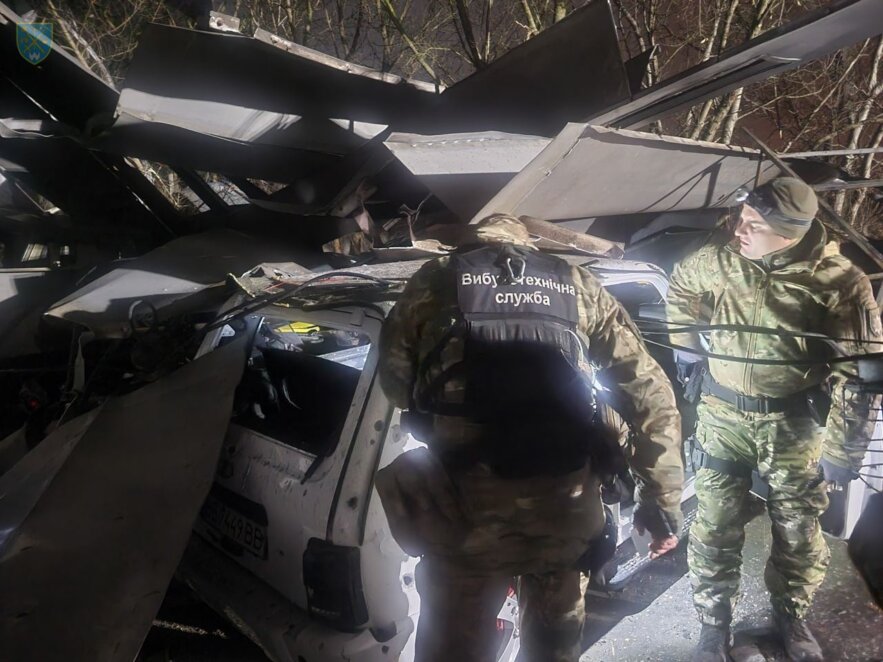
x: 752, y: 404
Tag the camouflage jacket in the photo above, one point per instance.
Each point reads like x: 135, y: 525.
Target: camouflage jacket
x: 806, y: 288
x: 428, y: 307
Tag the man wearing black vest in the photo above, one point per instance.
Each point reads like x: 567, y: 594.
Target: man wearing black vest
x: 490, y: 351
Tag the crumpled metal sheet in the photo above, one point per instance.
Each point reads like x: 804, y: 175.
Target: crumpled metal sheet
x: 60, y: 84
x: 258, y: 87
x: 25, y: 294
x: 590, y: 171
x: 88, y: 186
x: 212, y: 101
x: 26, y: 481
x: 465, y: 170
x: 565, y: 73
x: 96, y: 541
x: 184, y: 148
x: 185, y: 275
x: 810, y: 37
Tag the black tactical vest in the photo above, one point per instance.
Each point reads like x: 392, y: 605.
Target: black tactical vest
x: 524, y: 367
x: 518, y: 321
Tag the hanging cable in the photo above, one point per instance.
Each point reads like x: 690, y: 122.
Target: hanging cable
x: 775, y: 362
x: 742, y: 328
x: 871, y: 487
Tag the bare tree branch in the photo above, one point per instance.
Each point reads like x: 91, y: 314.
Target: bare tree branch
x: 80, y: 47
x: 386, y: 5
x: 823, y: 102
x: 467, y: 35
x: 875, y: 89
x: 532, y: 22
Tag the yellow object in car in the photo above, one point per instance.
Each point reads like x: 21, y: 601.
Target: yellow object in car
x: 303, y: 328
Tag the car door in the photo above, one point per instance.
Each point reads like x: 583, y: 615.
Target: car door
x: 294, y: 418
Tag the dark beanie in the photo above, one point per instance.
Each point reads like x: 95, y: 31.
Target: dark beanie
x: 788, y: 204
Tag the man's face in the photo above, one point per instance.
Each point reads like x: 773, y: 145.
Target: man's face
x: 756, y: 237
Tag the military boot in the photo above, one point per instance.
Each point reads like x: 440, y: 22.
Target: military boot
x: 714, y: 642
x: 799, y: 642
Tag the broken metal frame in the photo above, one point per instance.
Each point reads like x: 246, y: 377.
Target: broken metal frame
x: 590, y: 151
x: 563, y: 237
x: 849, y: 185
x: 834, y: 152
x: 72, y: 96
x: 560, y: 75
x: 202, y: 189
x: 814, y: 35
x: 838, y: 222
x: 318, y: 57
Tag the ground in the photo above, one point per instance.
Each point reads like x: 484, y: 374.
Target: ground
x: 185, y: 630
x: 651, y: 620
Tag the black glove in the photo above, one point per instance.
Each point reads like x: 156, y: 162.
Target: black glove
x: 660, y: 523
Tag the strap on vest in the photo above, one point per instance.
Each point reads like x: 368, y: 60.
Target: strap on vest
x: 702, y: 460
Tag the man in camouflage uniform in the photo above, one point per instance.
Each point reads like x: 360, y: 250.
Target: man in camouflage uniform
x: 476, y: 530
x: 779, y: 272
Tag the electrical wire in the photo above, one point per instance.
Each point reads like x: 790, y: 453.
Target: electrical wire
x: 743, y: 328
x: 874, y: 476
x: 253, y: 305
x: 772, y: 362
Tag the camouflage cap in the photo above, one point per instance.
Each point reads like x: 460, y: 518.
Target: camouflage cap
x: 788, y: 204
x: 502, y: 227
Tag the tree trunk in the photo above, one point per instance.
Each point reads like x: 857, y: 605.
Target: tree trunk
x: 460, y: 14
x: 733, y: 117
x: 560, y: 10
x: 875, y: 89
x: 716, y: 43
x: 533, y: 26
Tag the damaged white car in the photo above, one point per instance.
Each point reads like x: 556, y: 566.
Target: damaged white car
x: 292, y: 544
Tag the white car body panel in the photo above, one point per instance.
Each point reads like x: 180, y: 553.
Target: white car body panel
x: 338, y: 504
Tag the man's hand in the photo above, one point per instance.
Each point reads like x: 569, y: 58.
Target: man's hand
x: 662, y: 546
x: 662, y: 525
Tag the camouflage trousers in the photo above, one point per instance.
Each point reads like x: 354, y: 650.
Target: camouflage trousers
x: 458, y: 611
x: 475, y: 533
x: 785, y: 449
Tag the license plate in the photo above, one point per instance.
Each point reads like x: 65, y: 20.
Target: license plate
x: 234, y: 530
